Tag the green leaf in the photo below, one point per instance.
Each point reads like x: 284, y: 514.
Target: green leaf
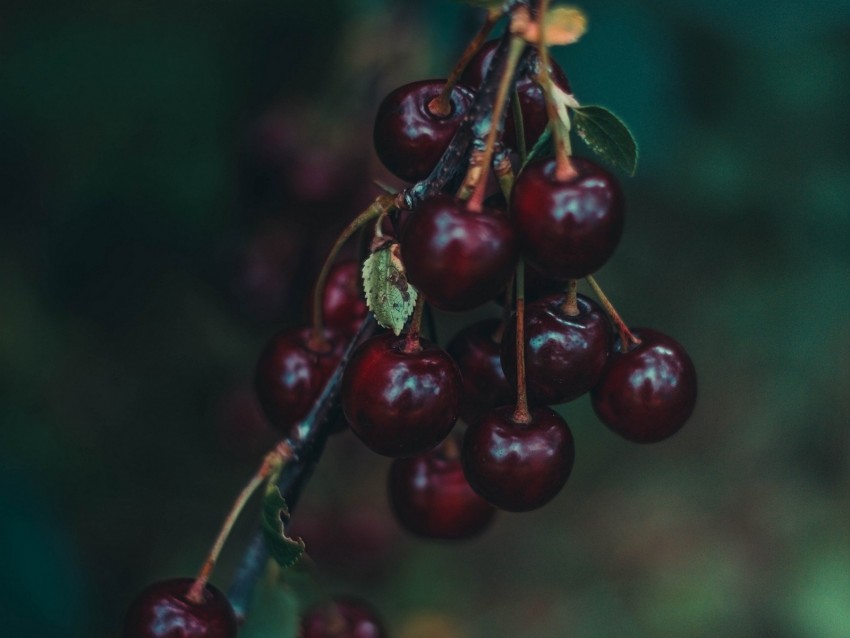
x: 607, y: 136
x: 388, y: 294
x: 283, y: 549
x: 544, y: 147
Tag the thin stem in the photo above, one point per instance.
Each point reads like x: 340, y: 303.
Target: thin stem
x: 564, y: 169
x: 521, y: 413
x: 271, y: 462
x: 442, y: 104
x: 381, y: 205
x: 626, y: 335
x: 480, y: 168
x: 570, y: 307
x: 412, y: 344
x: 504, y: 171
x: 519, y: 127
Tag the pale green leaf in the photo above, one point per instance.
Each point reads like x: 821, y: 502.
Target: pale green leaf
x: 388, y: 294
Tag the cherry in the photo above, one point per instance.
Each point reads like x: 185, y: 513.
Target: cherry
x: 430, y: 497
x: 564, y: 354
x: 342, y: 618
x: 477, y: 354
x: 567, y: 229
x: 291, y: 374
x: 401, y: 403
x: 457, y: 258
x: 648, y: 392
x: 518, y: 466
x: 531, y: 98
x: 163, y: 611
x: 409, y: 136
x: 343, y: 304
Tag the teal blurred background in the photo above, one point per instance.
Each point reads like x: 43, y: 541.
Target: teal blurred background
x: 170, y: 177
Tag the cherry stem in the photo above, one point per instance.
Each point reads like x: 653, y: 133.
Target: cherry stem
x: 480, y: 163
x: 519, y: 127
x: 570, y: 307
x: 564, y: 170
x: 521, y: 413
x: 382, y: 205
x: 441, y: 105
x: 411, y: 343
x: 626, y: 335
x: 273, y: 461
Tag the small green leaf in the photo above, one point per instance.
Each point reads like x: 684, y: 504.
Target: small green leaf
x: 388, y: 294
x: 283, y: 549
x: 607, y: 136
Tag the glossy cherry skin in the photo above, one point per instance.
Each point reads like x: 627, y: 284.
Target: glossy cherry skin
x: 291, y: 374
x: 647, y: 393
x: 515, y: 466
x: 343, y: 303
x: 431, y: 498
x: 343, y: 618
x: 531, y: 98
x: 564, y: 355
x: 458, y: 259
x: 478, y: 355
x: 409, y: 138
x: 162, y: 611
x: 401, y: 403
x: 568, y: 229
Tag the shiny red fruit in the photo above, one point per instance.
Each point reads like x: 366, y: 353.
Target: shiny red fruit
x: 401, y: 403
x: 568, y: 229
x: 162, y: 611
x: 564, y: 354
x: 430, y: 497
x: 409, y: 138
x: 518, y: 466
x: 342, y: 618
x: 291, y: 374
x: 478, y: 355
x: 457, y: 258
x: 531, y: 99
x: 343, y: 303
x: 647, y: 393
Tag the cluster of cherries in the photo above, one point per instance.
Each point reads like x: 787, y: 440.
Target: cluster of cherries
x: 403, y: 395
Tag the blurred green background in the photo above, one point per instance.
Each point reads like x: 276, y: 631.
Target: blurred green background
x: 170, y: 176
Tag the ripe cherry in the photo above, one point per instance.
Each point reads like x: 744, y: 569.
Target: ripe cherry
x: 409, y: 136
x: 342, y: 618
x: 648, y: 392
x: 343, y: 304
x: 531, y: 98
x: 430, y: 497
x: 400, y: 401
x: 457, y: 258
x: 518, y: 466
x: 292, y: 372
x: 568, y: 229
x: 163, y: 611
x: 478, y: 355
x: 564, y: 354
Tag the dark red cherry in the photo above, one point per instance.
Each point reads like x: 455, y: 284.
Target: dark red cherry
x: 430, y: 497
x: 457, y: 258
x: 564, y: 354
x: 401, y: 403
x: 531, y: 99
x: 647, y: 393
x: 567, y: 229
x: 342, y: 618
x: 478, y: 355
x: 518, y: 466
x: 409, y: 137
x: 163, y: 611
x: 343, y: 303
x: 291, y: 374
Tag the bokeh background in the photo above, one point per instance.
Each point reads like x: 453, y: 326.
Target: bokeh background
x: 170, y: 177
